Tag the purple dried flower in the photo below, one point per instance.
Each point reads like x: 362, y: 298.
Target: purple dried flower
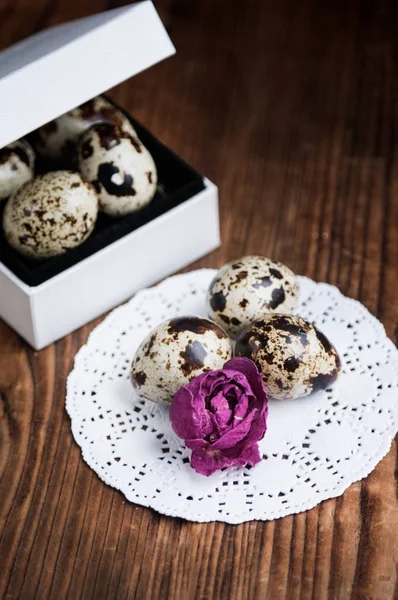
x: 222, y: 415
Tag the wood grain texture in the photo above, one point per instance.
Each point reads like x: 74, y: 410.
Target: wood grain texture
x: 291, y: 107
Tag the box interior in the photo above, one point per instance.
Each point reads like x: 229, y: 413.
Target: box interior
x: 177, y: 183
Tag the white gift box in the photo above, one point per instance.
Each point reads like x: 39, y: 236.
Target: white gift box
x: 43, y: 77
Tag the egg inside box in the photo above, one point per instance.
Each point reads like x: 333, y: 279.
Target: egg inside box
x: 177, y: 183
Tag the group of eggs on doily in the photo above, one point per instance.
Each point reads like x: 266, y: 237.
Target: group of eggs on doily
x: 251, y: 300
x: 91, y: 160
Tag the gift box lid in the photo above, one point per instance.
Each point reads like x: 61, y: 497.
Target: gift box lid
x: 59, y: 68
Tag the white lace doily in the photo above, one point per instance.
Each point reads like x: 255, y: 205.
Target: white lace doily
x: 314, y: 447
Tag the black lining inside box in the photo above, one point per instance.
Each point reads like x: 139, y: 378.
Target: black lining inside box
x: 178, y: 183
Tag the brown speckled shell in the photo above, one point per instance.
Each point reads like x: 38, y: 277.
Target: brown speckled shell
x: 174, y: 353
x: 51, y: 214
x: 57, y: 139
x: 248, y: 288
x: 17, y: 163
x: 293, y: 356
x: 119, y: 166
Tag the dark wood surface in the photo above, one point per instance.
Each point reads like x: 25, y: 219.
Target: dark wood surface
x: 291, y: 107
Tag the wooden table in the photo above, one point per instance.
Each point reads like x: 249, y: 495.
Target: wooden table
x: 291, y: 107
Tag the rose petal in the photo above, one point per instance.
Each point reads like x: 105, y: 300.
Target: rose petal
x: 235, y: 434
x: 218, y: 402
x: 207, y: 463
x: 221, y: 422
x: 196, y: 444
x: 198, y: 384
x: 242, y: 408
x: 208, y: 424
x: 250, y: 455
x: 248, y: 368
x: 223, y: 418
x: 259, y: 427
x: 214, y: 381
x: 185, y: 419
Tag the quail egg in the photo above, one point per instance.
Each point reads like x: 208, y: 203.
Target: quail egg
x: 174, y: 353
x: 17, y: 162
x: 57, y: 140
x: 293, y: 356
x: 248, y: 288
x: 50, y: 215
x: 120, y: 168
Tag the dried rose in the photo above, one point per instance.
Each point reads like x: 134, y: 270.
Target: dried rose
x: 222, y: 415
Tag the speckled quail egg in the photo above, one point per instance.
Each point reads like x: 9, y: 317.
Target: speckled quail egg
x: 17, y: 164
x: 293, y: 356
x: 174, y: 353
x: 57, y: 140
x: 50, y: 215
x: 248, y: 288
x: 120, y: 168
